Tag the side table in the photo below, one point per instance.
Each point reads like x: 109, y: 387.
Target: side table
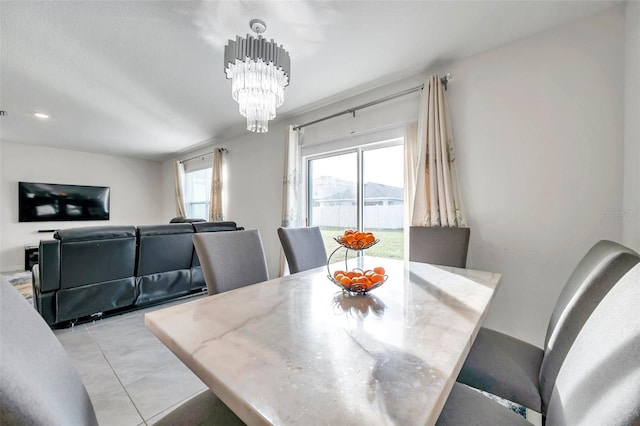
x: 31, y: 256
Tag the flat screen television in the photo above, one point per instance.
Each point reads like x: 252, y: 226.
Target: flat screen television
x: 43, y: 202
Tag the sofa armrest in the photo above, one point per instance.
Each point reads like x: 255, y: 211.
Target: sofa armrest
x: 48, y: 276
x: 35, y: 279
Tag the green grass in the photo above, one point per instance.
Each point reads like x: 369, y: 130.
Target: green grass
x: 390, y: 246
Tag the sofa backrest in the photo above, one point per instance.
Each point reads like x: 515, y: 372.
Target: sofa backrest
x: 96, y: 254
x: 164, y: 262
x: 164, y: 248
x: 186, y: 220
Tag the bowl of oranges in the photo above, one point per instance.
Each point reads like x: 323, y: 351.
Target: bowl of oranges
x: 356, y: 240
x: 358, y: 280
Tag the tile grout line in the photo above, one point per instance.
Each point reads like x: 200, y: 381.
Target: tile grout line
x: 144, y: 422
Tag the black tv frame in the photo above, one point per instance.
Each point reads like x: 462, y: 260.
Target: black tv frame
x: 62, y: 202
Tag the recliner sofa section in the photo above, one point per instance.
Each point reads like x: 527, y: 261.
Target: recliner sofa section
x: 85, y: 271
x: 92, y: 271
x: 164, y: 262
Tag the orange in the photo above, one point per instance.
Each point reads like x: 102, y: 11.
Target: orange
x: 379, y: 270
x: 345, y: 281
x: 338, y: 272
x: 369, y: 239
x: 361, y: 280
x: 376, y: 278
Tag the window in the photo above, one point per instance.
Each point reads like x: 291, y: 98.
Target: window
x: 359, y: 188
x: 197, y: 190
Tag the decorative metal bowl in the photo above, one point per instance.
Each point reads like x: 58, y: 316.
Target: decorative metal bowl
x: 356, y: 245
x: 358, y: 288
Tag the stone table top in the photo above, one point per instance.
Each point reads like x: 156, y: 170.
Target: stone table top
x: 297, y: 350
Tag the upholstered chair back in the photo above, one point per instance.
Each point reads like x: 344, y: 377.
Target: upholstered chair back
x: 303, y: 247
x: 599, y: 381
x: 439, y: 245
x: 38, y: 384
x: 594, y: 276
x: 197, y: 277
x: 231, y: 259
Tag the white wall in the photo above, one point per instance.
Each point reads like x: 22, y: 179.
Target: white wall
x: 538, y: 128
x: 540, y: 149
x: 631, y: 211
x: 136, y: 191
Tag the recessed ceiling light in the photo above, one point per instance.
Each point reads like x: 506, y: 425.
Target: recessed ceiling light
x: 40, y: 115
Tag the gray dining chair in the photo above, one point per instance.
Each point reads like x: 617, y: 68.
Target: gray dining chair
x: 439, y: 245
x: 597, y: 384
x: 40, y: 386
x: 38, y: 383
x: 204, y: 409
x: 303, y: 247
x: 231, y: 259
x: 525, y: 374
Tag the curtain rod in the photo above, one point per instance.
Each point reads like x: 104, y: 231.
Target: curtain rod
x: 205, y: 153
x: 445, y: 80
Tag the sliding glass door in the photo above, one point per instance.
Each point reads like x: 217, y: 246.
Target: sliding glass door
x: 361, y: 189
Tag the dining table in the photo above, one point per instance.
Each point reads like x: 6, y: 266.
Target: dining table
x: 300, y: 350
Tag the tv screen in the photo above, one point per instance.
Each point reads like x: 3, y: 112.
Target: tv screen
x: 40, y: 202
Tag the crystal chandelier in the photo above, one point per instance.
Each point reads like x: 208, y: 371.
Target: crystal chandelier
x: 259, y: 71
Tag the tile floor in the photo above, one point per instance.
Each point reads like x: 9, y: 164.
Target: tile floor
x: 131, y: 377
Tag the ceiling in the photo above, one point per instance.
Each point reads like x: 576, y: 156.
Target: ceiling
x: 144, y: 79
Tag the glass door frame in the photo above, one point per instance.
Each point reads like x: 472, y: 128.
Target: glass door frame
x: 359, y: 151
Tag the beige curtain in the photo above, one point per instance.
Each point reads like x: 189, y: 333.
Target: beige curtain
x: 292, y: 212
x: 437, y: 200
x: 178, y: 177
x: 215, y: 206
x: 292, y: 197
x: 411, y: 158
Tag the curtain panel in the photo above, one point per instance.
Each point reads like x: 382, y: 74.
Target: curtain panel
x: 292, y: 202
x: 292, y: 197
x: 216, y: 211
x: 436, y: 200
x: 178, y: 178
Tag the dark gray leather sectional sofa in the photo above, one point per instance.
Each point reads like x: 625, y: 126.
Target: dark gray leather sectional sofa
x: 91, y: 271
